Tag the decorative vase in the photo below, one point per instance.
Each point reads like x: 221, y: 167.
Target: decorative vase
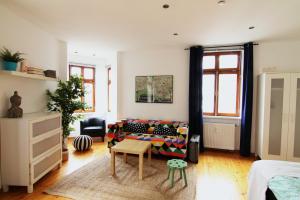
x: 10, y: 66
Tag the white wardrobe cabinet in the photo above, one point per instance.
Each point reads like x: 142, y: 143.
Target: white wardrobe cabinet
x: 31, y: 146
x: 278, y: 125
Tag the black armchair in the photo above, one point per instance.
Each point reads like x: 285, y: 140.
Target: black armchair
x: 93, y: 127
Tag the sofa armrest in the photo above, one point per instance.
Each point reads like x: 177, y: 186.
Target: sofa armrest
x: 183, y: 133
x: 115, y: 128
x: 101, y: 122
x: 104, y: 126
x: 83, y: 124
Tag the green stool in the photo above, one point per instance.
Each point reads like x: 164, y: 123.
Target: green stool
x: 177, y: 164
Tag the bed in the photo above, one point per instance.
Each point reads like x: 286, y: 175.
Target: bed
x: 274, y: 180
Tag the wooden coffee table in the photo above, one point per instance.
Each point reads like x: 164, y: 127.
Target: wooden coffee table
x: 132, y: 147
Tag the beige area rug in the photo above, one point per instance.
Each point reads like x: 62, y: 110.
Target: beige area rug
x: 93, y: 181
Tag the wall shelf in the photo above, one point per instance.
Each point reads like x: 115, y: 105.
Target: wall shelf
x: 25, y: 75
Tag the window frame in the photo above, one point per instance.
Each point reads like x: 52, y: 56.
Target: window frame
x: 216, y: 72
x: 91, y: 81
x: 108, y: 88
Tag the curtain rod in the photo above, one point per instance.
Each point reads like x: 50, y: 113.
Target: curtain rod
x: 224, y: 46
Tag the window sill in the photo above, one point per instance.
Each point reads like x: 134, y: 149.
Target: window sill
x: 220, y: 117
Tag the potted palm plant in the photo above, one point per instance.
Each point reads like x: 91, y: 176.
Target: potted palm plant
x: 66, y: 100
x: 10, y: 60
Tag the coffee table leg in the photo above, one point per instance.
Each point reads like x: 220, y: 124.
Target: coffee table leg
x: 149, y: 154
x: 141, y: 164
x: 113, y: 171
x: 125, y: 157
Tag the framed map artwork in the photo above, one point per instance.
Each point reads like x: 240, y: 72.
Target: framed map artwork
x: 154, y: 89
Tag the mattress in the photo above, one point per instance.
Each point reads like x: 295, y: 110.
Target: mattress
x: 264, y: 170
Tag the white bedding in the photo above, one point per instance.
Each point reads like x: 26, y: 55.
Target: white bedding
x: 263, y: 170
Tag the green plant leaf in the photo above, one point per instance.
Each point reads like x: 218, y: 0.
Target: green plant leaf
x: 7, y: 55
x: 65, y: 99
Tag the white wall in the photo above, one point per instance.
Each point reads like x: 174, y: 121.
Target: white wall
x: 153, y: 62
x: 283, y: 56
x: 41, y: 49
x: 112, y: 61
x: 276, y: 55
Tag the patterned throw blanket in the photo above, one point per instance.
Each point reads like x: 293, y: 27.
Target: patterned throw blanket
x: 262, y: 171
x: 285, y: 187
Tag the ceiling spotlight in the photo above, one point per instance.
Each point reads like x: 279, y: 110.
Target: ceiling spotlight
x: 175, y: 34
x: 221, y: 3
x: 251, y: 27
x: 166, y: 6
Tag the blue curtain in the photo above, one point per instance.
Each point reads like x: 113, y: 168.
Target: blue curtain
x: 195, y: 94
x: 247, y: 101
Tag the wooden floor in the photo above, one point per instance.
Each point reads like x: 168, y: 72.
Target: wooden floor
x: 221, y: 175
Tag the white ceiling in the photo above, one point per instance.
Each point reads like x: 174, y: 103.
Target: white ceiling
x: 121, y: 25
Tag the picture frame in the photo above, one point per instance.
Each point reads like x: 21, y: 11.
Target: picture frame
x: 154, y: 89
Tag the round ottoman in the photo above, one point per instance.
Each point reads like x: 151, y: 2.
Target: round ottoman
x: 82, y: 142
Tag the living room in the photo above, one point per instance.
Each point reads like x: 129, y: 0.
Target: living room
x: 205, y: 84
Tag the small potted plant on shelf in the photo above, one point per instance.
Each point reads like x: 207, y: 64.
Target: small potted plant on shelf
x: 10, y: 60
x: 66, y: 100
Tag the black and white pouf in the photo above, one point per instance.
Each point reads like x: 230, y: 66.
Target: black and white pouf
x: 82, y: 143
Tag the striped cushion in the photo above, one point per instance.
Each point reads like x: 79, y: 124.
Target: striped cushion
x: 82, y: 142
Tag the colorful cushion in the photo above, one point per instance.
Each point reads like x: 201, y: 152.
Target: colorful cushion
x: 163, y: 130
x: 150, y: 130
x: 136, y: 128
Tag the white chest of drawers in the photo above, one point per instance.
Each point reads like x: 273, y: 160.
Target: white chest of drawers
x: 30, y: 147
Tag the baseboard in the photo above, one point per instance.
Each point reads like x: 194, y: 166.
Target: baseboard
x: 221, y: 150
x: 228, y: 151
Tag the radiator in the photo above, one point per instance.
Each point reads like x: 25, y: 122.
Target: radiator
x: 219, y: 136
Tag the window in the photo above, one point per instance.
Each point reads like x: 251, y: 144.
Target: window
x: 88, y: 82
x: 108, y: 89
x: 221, y: 83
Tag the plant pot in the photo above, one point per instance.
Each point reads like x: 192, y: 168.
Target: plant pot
x: 10, y: 66
x: 65, y: 155
x: 65, y: 143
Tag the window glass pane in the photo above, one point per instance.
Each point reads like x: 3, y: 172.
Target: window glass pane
x: 75, y: 71
x: 208, y: 91
x: 208, y: 62
x: 228, y: 61
x: 276, y: 113
x: 227, y: 93
x: 88, y: 73
x: 88, y: 96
